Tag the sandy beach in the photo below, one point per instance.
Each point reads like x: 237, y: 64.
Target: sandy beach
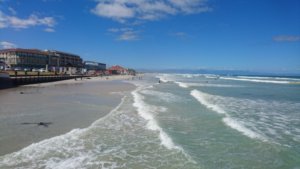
x: 65, y: 105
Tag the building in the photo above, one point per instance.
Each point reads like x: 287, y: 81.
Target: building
x: 94, y: 68
x: 33, y: 58
x: 89, y: 65
x: 64, y: 62
x: 118, y: 70
x: 24, y: 58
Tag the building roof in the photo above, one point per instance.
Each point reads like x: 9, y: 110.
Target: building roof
x: 93, y: 62
x: 36, y: 51
x: 117, y: 68
x: 60, y: 52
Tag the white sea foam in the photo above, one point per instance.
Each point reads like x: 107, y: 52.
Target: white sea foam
x: 256, y: 80
x: 181, y: 84
x: 265, y: 77
x: 146, y: 111
x: 239, y: 127
x: 203, y: 99
x: 165, y: 78
x: 206, y: 85
x: 64, y: 151
x: 164, y: 96
x: 211, y: 76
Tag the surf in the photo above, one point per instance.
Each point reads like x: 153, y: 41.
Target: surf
x: 147, y: 112
x: 257, y: 80
x: 203, y: 99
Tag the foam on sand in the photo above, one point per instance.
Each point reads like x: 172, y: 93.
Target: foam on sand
x: 66, y: 151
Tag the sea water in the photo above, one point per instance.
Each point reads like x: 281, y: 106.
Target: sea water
x: 185, y: 121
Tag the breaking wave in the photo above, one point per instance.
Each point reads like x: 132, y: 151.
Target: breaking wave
x: 147, y: 112
x: 257, y: 80
x: 204, y: 99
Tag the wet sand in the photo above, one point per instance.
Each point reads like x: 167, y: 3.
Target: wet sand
x: 66, y: 104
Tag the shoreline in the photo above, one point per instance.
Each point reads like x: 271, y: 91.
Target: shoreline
x: 84, y: 80
x: 6, y: 83
x: 65, y: 105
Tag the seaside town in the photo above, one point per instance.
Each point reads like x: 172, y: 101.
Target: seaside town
x: 27, y: 66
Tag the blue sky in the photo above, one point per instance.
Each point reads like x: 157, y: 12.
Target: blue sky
x: 261, y: 35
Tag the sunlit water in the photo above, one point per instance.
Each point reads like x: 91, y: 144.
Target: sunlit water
x: 186, y: 121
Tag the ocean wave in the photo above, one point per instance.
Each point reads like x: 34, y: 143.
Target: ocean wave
x: 65, y: 151
x: 147, y: 112
x: 118, y: 140
x: 241, y: 128
x: 204, y: 99
x: 187, y: 85
x: 266, y: 77
x: 165, y: 78
x: 257, y: 80
x: 183, y: 85
x: 163, y: 96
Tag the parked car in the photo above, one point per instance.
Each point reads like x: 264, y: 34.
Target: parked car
x: 17, y: 68
x: 42, y: 70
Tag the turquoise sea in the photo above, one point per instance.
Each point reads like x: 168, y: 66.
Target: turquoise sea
x: 186, y: 121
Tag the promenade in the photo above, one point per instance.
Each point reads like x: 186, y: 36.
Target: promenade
x: 15, y: 80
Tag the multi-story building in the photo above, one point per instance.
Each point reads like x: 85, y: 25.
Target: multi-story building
x: 66, y: 62
x: 90, y: 65
x: 65, y: 59
x: 34, y: 58
x: 24, y: 58
x: 94, y: 68
x: 118, y: 70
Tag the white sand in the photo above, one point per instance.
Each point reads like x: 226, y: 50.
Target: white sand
x: 84, y: 80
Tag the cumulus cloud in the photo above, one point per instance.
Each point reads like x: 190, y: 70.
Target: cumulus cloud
x: 7, y: 45
x: 49, y: 30
x: 128, y: 36
x: 12, y: 11
x: 125, y: 34
x: 123, y: 10
x: 181, y: 35
x: 7, y: 21
x: 286, y: 38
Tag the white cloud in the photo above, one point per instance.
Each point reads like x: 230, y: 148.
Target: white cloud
x: 49, y: 30
x: 128, y: 36
x: 180, y: 34
x: 7, y: 45
x: 123, y: 10
x: 286, y: 38
x: 12, y: 11
x: 7, y: 21
x: 125, y: 34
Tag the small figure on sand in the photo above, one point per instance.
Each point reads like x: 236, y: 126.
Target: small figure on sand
x: 45, y: 124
